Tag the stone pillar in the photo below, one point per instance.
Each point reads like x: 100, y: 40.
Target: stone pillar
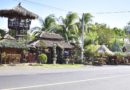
x: 62, y: 55
x: 54, y: 54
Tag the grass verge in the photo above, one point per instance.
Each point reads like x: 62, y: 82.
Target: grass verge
x: 58, y: 65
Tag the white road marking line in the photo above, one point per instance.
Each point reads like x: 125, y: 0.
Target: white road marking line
x: 69, y: 82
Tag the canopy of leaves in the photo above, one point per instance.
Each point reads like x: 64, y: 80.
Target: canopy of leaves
x: 2, y: 32
x: 91, y: 49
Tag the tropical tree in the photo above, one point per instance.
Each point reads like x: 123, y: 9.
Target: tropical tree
x: 105, y: 34
x: 47, y: 25
x: 119, y: 32
x: 78, y: 29
x: 87, y: 23
x: 118, y: 39
x: 91, y: 38
x: 67, y: 26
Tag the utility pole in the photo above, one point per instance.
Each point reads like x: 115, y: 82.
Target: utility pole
x: 82, y: 39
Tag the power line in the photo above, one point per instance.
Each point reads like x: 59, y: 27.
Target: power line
x: 45, y: 5
x: 63, y: 10
x: 117, y: 12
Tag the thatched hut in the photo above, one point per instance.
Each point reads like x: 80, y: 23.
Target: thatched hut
x: 106, y: 55
x: 18, y: 12
x: 48, y: 41
x: 10, y: 50
x: 104, y: 50
x: 19, y: 20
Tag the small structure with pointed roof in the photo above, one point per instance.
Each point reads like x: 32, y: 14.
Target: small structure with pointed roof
x: 18, y: 12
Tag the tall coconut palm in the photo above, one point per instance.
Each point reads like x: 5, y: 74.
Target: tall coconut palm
x: 87, y: 20
x: 67, y: 25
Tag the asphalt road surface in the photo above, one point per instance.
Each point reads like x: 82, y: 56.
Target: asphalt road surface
x: 88, y: 78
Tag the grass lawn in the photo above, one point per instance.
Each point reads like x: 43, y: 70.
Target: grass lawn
x: 58, y: 65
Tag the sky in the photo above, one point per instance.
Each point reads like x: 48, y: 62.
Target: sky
x: 114, y: 13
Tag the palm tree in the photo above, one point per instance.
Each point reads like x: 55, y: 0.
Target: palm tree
x: 67, y: 25
x: 47, y: 25
x: 87, y: 20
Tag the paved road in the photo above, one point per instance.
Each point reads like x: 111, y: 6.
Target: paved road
x: 87, y: 78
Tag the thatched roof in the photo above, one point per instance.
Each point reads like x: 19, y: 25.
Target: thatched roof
x: 50, y: 36
x: 50, y: 43
x: 18, y: 12
x: 38, y: 43
x: 46, y: 39
x: 5, y: 43
x: 103, y: 49
x: 10, y: 42
x: 7, y: 36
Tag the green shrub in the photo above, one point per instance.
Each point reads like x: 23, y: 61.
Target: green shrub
x: 120, y: 54
x: 42, y: 58
x: 90, y: 50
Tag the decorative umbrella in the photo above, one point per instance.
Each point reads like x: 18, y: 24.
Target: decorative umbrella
x: 18, y: 12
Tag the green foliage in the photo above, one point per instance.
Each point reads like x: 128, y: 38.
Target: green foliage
x: 12, y: 32
x: 70, y: 18
x: 91, y: 38
x: 70, y: 27
x: 120, y: 54
x: 43, y: 58
x: 47, y: 25
x: 105, y: 34
x: 115, y: 46
x: 102, y: 34
x: 90, y: 50
x: 2, y: 32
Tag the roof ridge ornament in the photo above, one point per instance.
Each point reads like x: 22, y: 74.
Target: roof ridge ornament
x: 19, y: 4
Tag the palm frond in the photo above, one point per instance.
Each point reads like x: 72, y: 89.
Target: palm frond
x: 71, y: 18
x: 35, y: 29
x: 87, y: 17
